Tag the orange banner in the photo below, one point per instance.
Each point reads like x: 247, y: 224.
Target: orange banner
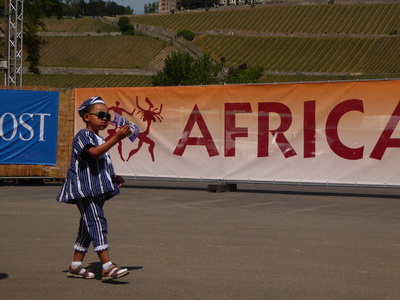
x: 338, y: 132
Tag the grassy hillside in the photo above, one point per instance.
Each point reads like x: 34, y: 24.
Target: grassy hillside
x: 307, y: 54
x: 308, y: 38
x: 125, y: 52
x: 319, y: 19
x: 79, y: 25
x: 356, y: 39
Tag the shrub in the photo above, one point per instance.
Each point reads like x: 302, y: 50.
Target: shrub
x: 243, y: 74
x: 125, y: 26
x: 187, y: 35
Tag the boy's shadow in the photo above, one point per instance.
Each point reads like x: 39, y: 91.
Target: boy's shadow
x: 96, y: 268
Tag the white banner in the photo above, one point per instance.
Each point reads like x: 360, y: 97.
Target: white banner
x: 341, y: 132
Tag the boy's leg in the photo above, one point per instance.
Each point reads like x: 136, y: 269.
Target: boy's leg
x: 94, y: 222
x: 78, y: 256
x: 81, y: 247
x: 93, y: 217
x: 104, y: 256
x: 110, y: 271
x: 83, y: 240
x: 76, y: 269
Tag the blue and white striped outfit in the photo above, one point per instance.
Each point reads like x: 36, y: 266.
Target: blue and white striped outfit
x: 92, y: 225
x: 88, y: 177
x: 89, y: 183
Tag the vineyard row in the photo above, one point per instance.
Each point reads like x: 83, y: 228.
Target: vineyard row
x: 318, y: 19
x: 317, y: 54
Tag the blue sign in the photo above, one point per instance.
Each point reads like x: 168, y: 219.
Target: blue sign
x: 28, y: 127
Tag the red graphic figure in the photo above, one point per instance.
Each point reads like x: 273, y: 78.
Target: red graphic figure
x: 147, y: 115
x: 111, y: 132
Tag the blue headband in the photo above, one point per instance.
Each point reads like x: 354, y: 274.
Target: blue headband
x: 89, y: 102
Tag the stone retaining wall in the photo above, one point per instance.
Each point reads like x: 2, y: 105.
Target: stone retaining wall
x: 170, y: 37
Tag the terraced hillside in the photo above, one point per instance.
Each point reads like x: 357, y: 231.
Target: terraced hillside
x: 317, y: 19
x: 292, y: 43
x: 80, y: 25
x: 96, y: 44
x: 124, y: 52
x: 372, y: 55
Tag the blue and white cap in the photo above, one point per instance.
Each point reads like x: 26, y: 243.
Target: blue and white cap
x: 89, y: 102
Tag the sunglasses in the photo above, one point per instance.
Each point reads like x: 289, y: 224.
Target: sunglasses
x: 101, y: 115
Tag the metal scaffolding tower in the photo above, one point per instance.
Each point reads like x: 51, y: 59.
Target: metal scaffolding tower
x: 13, y: 74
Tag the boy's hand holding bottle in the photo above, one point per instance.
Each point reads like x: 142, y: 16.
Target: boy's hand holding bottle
x: 120, y: 122
x: 123, y: 132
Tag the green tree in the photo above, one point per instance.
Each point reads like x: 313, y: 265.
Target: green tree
x: 243, y: 74
x: 193, y: 4
x: 203, y: 71
x: 151, y: 8
x: 79, y: 8
x: 95, y: 8
x: 34, y: 12
x: 186, y: 34
x: 128, y: 10
x: 181, y: 69
x: 176, y: 70
x: 73, y: 8
x: 125, y: 26
x: 1, y: 7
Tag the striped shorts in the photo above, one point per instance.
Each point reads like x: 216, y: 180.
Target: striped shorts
x: 93, y: 224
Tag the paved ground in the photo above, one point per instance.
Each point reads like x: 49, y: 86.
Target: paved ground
x: 181, y: 242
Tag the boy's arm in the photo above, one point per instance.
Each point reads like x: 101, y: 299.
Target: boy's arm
x: 97, y: 151
x: 120, y: 180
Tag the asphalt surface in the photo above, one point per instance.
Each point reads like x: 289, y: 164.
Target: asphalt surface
x: 181, y: 242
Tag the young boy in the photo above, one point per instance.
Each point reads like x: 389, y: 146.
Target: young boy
x: 90, y: 182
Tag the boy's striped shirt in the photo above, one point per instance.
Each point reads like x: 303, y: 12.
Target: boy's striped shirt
x: 86, y: 176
